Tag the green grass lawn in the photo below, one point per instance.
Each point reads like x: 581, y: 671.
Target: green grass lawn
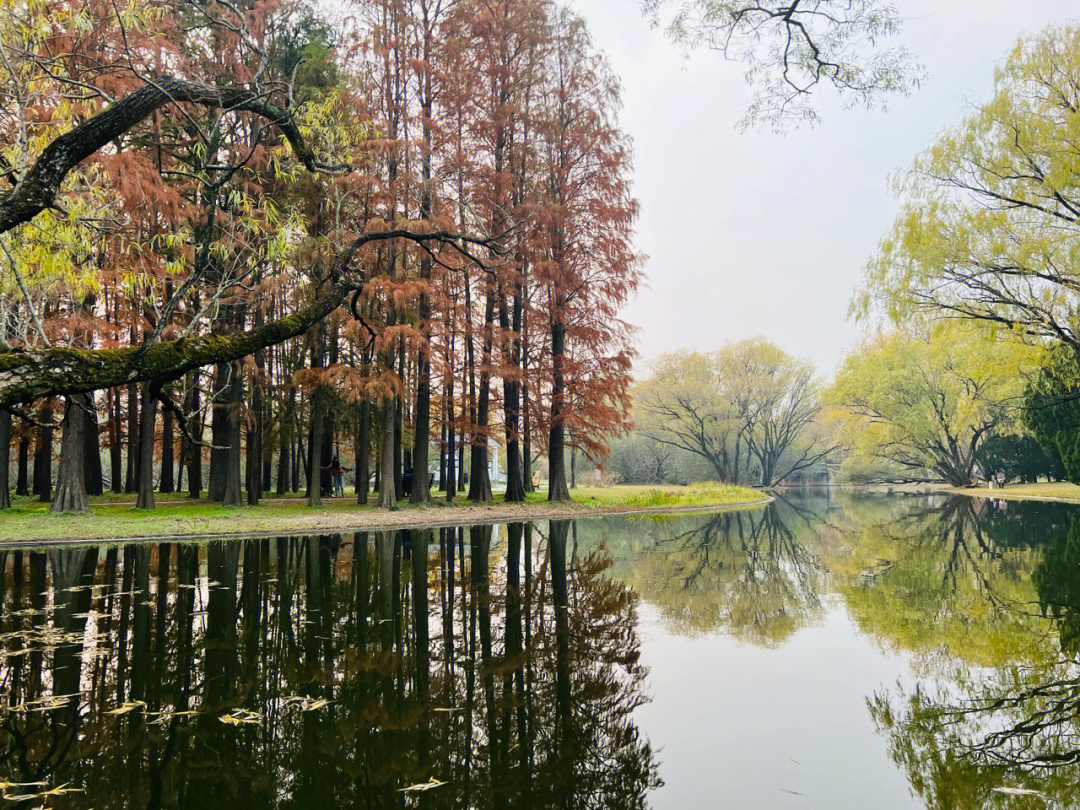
x: 1042, y: 491
x: 114, y: 516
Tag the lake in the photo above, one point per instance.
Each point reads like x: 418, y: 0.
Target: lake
x: 826, y: 651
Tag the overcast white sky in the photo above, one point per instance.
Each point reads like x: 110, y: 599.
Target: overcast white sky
x: 750, y: 233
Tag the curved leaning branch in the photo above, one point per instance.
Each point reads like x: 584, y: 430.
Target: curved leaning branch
x: 37, y: 189
x: 26, y: 375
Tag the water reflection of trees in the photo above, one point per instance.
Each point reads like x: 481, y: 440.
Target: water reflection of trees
x: 1006, y: 733
x: 750, y: 573
x: 947, y: 578
x: 320, y: 672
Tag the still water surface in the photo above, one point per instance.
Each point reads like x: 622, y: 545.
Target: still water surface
x: 822, y: 652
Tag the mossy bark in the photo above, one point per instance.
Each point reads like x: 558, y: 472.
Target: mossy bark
x: 28, y: 375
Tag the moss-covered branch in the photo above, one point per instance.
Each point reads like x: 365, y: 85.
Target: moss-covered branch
x: 26, y: 375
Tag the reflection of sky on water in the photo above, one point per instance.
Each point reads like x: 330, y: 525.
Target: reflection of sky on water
x: 746, y: 726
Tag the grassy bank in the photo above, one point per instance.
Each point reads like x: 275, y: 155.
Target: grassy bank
x: 1042, y: 491
x: 113, y: 517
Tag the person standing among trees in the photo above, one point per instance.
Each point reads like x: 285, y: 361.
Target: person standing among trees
x: 337, y: 473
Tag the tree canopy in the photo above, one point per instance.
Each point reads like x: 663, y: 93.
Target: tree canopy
x: 917, y: 401
x: 749, y: 410
x: 793, y: 47
x: 989, y: 224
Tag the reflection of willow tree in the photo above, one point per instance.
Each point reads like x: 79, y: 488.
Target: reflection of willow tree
x: 946, y: 578
x: 981, y: 736
x: 316, y: 672
x: 749, y: 572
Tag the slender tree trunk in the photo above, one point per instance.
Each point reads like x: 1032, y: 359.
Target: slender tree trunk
x: 451, y: 472
x: 194, y: 460
x: 297, y: 451
x: 315, y: 446
x: 92, y: 449
x: 387, y: 490
x: 116, y: 442
x: 363, y: 452
x: 442, y: 453
x: 146, y: 446
x: 480, y: 483
x: 219, y: 432
x: 167, y: 483
x: 233, y: 496
x: 70, y: 478
x: 283, y: 455
x: 131, y: 469
x: 557, y: 490
x: 515, y: 484
x: 22, y: 481
x: 43, y: 459
x: 5, y: 459
x: 399, y: 461
x: 421, y: 491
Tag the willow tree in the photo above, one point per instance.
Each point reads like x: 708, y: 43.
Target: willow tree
x: 989, y: 228
x: 750, y: 410
x: 924, y: 402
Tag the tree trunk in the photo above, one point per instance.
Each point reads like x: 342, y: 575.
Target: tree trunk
x: 22, y: 481
x: 43, y: 458
x: 480, y: 482
x: 132, y: 438
x: 399, y: 465
x: 315, y: 446
x: 219, y: 432
x: 167, y: 483
x: 148, y: 416
x: 451, y: 471
x: 387, y: 491
x: 116, y: 442
x: 515, y: 483
x: 421, y: 492
x: 71, y: 475
x: 233, y: 496
x: 92, y: 450
x: 363, y: 452
x: 283, y: 458
x: 557, y: 490
x: 5, y: 459
x: 194, y: 458
x: 297, y: 450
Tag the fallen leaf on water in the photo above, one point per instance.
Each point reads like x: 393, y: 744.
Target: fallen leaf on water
x: 422, y: 786
x: 240, y: 716
x: 130, y: 706
x: 1018, y: 791
x: 56, y: 791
